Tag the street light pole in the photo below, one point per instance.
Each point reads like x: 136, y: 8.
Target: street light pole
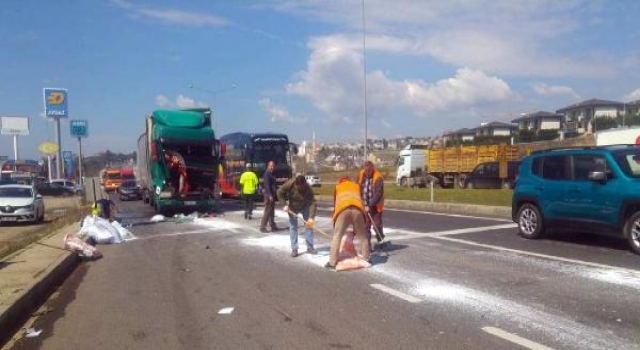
x: 214, y: 93
x: 364, y: 74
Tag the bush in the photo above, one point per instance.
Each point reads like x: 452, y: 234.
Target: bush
x: 604, y: 123
x: 546, y: 135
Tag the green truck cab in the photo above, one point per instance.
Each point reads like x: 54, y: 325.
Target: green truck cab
x: 178, y: 159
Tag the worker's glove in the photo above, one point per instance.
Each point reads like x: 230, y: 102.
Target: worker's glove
x: 286, y: 208
x: 310, y: 223
x: 367, y: 208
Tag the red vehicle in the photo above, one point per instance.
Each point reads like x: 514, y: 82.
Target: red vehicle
x: 127, y: 174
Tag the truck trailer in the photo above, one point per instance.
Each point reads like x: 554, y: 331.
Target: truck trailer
x: 178, y: 159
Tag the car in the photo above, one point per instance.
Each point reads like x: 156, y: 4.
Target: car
x: 313, y: 180
x: 487, y: 175
x: 69, y: 184
x: 20, y: 203
x: 129, y: 189
x: 589, y: 189
x: 53, y: 189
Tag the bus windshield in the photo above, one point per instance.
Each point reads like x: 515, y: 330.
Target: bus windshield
x: 264, y: 152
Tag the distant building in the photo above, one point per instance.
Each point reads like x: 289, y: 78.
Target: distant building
x: 495, y: 129
x: 578, y: 116
x: 539, y: 121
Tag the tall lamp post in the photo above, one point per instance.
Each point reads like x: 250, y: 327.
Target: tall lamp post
x: 214, y: 93
x: 364, y: 75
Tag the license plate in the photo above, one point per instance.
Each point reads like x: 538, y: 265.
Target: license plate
x: 190, y: 203
x: 9, y: 219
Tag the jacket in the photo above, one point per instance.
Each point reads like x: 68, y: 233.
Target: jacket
x: 297, y: 202
x: 249, y: 182
x: 346, y: 194
x: 269, y: 184
x: 377, y: 189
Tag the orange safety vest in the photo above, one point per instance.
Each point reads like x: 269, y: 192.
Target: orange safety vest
x: 347, y: 194
x: 376, y: 177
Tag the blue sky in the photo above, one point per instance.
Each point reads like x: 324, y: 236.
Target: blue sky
x: 297, y: 66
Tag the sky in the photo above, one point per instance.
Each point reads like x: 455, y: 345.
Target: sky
x: 333, y: 68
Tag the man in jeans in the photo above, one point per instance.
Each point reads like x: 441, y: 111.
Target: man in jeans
x: 372, y: 191
x: 270, y: 188
x: 299, y: 199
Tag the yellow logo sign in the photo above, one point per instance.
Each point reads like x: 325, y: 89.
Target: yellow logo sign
x: 48, y: 147
x: 56, y: 98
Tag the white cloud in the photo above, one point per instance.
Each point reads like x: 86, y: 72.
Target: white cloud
x: 334, y: 82
x: 186, y: 102
x: 634, y: 95
x: 547, y: 90
x: 162, y: 101
x: 279, y: 113
x: 180, y: 102
x: 170, y: 16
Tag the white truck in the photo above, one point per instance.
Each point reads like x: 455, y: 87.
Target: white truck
x: 627, y: 136
x: 412, y: 167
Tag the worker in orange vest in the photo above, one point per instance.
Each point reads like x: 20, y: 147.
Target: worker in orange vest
x: 372, y: 192
x: 348, y: 210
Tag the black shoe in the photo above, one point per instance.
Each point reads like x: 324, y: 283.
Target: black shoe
x: 294, y: 253
x: 263, y: 230
x: 245, y: 216
x: 312, y: 251
x: 250, y: 217
x: 275, y: 228
x: 329, y: 266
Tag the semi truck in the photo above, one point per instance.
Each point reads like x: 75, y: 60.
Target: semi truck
x: 178, y: 158
x: 418, y: 166
x: 629, y: 136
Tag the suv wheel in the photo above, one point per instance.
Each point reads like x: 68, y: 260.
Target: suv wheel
x: 530, y: 221
x: 632, y: 232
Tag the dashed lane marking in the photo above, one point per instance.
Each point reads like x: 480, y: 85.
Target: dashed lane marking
x: 396, y: 293
x: 526, y: 343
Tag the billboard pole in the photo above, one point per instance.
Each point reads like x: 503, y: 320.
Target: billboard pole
x: 15, y: 147
x: 59, y: 156
x: 80, y: 161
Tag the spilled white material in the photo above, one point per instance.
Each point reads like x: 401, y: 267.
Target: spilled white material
x: 226, y: 310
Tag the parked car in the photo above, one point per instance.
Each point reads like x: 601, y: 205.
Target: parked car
x: 314, y: 180
x: 69, y: 184
x: 591, y: 189
x: 20, y: 203
x: 487, y: 175
x: 129, y: 189
x: 53, y: 189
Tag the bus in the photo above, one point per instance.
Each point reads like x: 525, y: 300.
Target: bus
x: 257, y: 149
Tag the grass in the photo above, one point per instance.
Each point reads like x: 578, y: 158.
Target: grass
x: 393, y: 191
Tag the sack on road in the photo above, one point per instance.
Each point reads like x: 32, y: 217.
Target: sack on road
x: 84, y: 250
x: 348, y: 258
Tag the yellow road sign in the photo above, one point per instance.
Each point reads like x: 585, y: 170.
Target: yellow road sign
x: 48, y: 147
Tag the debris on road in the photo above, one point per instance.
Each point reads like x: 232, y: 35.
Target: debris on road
x: 226, y: 311
x: 75, y: 244
x: 348, y: 258
x: 32, y: 333
x: 158, y: 218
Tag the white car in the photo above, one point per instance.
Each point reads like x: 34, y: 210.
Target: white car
x: 314, y: 180
x: 20, y: 203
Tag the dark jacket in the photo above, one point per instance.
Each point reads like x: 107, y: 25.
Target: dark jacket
x: 297, y: 202
x: 270, y: 185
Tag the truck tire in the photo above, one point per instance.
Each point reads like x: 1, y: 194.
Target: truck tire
x: 403, y: 182
x: 469, y: 185
x: 530, y: 222
x: 632, y: 232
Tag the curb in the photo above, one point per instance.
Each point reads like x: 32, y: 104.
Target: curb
x: 36, y: 293
x: 442, y: 207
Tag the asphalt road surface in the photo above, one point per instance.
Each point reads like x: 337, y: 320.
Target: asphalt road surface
x: 446, y: 282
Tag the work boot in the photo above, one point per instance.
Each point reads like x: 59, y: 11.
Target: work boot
x: 275, y: 228
x: 312, y: 251
x: 329, y: 266
x: 294, y: 253
x: 264, y: 230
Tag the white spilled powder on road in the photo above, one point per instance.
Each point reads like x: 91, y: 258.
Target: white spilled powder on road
x: 283, y: 243
x: 216, y: 223
x: 559, y: 327
x: 614, y: 275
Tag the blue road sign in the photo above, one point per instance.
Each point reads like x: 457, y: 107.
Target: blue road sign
x: 79, y: 128
x: 55, y: 103
x: 66, y: 155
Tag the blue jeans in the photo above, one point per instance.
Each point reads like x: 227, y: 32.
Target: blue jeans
x: 293, y: 230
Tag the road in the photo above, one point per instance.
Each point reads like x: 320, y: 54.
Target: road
x: 447, y: 282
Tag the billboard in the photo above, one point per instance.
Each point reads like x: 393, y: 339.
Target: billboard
x: 55, y: 103
x: 14, y: 126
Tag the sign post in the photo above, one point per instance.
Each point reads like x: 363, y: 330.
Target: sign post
x: 55, y: 106
x: 15, y: 126
x: 48, y: 148
x: 79, y: 129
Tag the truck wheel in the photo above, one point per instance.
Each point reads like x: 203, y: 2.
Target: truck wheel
x: 403, y: 182
x: 529, y: 221
x: 632, y: 232
x: 469, y: 185
x: 507, y: 185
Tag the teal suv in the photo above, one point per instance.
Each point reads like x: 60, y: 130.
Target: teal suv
x: 592, y: 189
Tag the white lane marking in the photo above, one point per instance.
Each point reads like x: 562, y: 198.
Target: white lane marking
x: 539, y: 255
x: 526, y: 343
x: 412, y: 235
x: 396, y: 293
